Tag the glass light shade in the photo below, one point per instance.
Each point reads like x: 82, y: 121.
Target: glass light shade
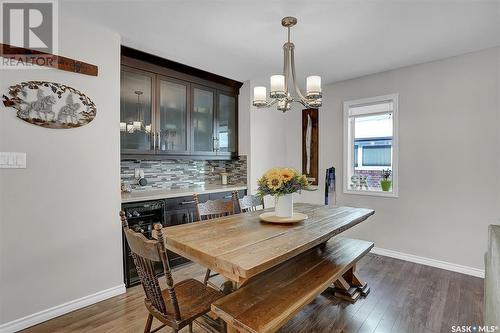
x: 316, y: 103
x: 313, y: 84
x: 277, y: 86
x: 123, y: 127
x: 259, y: 96
x: 137, y: 125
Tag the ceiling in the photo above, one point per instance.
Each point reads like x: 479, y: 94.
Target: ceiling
x: 338, y: 40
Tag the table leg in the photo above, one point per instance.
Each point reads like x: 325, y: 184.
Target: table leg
x: 354, y: 280
x: 229, y: 286
x: 350, y: 286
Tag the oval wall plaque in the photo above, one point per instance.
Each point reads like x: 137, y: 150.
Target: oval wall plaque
x: 50, y: 104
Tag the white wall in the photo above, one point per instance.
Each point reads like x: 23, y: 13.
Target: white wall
x: 267, y: 137
x: 60, y: 236
x: 448, y: 156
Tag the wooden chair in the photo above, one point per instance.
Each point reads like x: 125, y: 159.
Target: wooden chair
x: 250, y: 203
x: 178, y: 305
x: 213, y: 209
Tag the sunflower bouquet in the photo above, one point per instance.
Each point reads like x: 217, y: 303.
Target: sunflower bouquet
x: 280, y: 181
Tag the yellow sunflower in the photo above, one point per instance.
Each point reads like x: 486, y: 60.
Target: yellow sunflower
x: 273, y: 173
x: 287, y: 174
x: 274, y: 181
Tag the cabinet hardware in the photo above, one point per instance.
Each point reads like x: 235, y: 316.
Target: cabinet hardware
x: 187, y: 202
x: 214, y: 143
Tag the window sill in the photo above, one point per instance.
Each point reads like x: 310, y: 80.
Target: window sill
x: 372, y: 193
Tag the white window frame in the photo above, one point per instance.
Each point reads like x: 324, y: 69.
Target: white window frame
x: 349, y: 141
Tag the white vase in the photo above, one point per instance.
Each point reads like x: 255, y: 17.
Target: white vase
x: 284, y: 206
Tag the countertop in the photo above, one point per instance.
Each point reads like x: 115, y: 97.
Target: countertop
x: 175, y: 193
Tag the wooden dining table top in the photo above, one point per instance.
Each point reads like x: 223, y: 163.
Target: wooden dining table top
x: 241, y: 246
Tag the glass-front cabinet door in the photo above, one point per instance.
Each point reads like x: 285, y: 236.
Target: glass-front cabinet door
x: 203, y: 119
x: 226, y: 123
x: 136, y: 111
x: 173, y: 116
x: 161, y: 114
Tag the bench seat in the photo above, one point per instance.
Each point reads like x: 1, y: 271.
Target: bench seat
x: 271, y: 299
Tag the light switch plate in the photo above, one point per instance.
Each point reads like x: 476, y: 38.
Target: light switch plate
x: 11, y: 160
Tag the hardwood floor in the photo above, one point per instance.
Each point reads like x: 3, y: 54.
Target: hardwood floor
x: 404, y: 298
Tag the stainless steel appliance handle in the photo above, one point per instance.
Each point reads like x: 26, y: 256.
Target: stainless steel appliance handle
x: 154, y: 140
x: 187, y: 202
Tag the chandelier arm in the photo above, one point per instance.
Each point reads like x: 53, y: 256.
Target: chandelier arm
x: 268, y: 104
x: 303, y: 102
x: 297, y: 90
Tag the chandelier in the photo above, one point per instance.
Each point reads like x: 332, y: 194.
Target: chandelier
x: 280, y: 84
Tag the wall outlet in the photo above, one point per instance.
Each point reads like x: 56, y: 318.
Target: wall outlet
x: 10, y: 160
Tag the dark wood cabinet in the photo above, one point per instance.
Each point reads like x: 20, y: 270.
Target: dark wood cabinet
x: 182, y: 210
x: 172, y: 110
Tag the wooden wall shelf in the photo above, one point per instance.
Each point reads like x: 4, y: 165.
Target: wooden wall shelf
x: 20, y: 54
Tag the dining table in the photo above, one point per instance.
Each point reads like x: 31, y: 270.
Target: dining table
x: 240, y: 247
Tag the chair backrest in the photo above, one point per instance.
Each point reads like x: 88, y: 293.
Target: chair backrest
x: 212, y: 209
x: 145, y: 253
x: 250, y: 203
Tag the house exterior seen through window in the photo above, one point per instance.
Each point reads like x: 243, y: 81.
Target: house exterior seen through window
x: 370, y: 146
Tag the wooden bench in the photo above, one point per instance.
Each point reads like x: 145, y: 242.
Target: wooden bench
x: 271, y: 299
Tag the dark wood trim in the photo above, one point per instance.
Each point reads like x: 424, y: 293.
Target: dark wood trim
x: 20, y: 54
x: 195, y: 73
x: 314, y: 144
x: 167, y: 72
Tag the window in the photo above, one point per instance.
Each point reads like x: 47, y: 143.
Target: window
x: 370, y: 145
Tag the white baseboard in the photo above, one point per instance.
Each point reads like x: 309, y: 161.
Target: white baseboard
x: 56, y: 311
x: 430, y: 262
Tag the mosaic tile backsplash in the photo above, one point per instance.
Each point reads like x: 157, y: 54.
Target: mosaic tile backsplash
x: 175, y: 174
